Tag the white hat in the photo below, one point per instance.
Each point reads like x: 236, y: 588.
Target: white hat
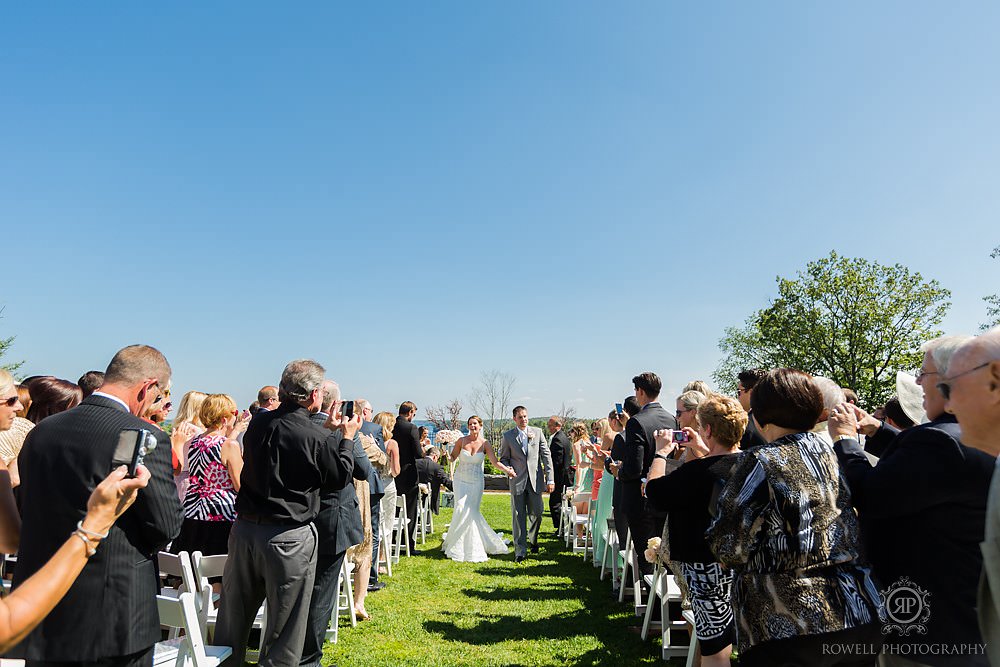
x: 911, y: 397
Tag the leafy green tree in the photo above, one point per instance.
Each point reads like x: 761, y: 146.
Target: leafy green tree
x: 992, y: 301
x: 849, y: 319
x: 5, y: 344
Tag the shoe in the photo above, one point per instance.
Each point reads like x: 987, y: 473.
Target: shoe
x: 518, y: 559
x: 534, y: 548
x: 415, y: 552
x: 377, y: 586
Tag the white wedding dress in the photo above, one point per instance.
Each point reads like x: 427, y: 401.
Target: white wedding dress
x: 470, y: 539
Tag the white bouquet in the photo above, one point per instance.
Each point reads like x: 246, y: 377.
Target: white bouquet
x: 446, y: 437
x: 652, y: 546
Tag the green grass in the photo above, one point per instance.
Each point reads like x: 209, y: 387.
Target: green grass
x: 551, y: 609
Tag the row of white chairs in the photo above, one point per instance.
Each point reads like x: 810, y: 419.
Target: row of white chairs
x: 578, y: 529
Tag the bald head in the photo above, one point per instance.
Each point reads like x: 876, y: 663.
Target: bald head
x: 135, y: 363
x: 973, y: 386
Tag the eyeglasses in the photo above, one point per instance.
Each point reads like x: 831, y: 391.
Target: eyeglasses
x: 922, y: 374
x: 12, y: 401
x: 945, y: 387
x: 681, y: 411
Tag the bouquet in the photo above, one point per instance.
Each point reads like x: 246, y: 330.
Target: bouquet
x: 652, y: 546
x: 447, y: 437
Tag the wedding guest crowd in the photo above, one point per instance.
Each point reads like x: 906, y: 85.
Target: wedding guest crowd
x: 788, y: 512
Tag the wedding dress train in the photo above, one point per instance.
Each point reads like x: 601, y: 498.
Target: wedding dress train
x: 470, y: 539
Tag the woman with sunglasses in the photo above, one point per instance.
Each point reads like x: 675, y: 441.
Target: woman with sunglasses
x: 214, y: 464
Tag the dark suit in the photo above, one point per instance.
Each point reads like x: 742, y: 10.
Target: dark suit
x: 407, y: 436
x: 339, y: 526
x: 751, y: 436
x: 562, y: 453
x: 640, y: 446
x: 923, y: 512
x: 110, y: 610
x: 431, y: 473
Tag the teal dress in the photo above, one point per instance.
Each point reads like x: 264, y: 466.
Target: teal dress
x: 601, y: 514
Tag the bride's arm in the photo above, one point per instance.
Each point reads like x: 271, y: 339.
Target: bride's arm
x: 456, y: 450
x: 495, y: 461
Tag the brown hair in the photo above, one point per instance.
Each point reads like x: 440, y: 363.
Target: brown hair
x: 578, y: 431
x: 649, y: 382
x: 406, y: 407
x: 23, y: 395
x: 787, y: 398
x: 474, y: 418
x: 725, y: 416
x: 51, y: 396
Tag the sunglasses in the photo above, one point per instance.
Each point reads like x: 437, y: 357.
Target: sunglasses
x: 945, y: 387
x: 11, y: 402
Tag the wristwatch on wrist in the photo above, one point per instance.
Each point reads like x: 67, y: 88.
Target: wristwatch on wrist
x: 661, y: 456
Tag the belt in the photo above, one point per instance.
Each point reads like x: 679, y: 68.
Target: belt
x: 263, y: 520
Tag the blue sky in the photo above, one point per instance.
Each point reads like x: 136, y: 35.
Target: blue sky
x: 413, y: 193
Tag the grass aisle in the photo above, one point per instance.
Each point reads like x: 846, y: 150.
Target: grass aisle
x: 550, y: 610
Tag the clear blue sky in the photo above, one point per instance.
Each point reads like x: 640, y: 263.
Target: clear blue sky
x: 412, y: 193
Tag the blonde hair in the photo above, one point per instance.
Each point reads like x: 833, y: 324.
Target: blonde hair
x: 578, y: 431
x: 6, y: 381
x: 187, y: 411
x: 215, y: 409
x: 474, y: 418
x: 603, y: 426
x: 725, y: 416
x: 387, y: 422
x: 698, y: 385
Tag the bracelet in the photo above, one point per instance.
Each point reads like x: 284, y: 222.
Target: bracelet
x: 91, y: 550
x: 90, y: 533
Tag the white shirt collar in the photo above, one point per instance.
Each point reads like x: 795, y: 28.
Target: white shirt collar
x: 113, y: 398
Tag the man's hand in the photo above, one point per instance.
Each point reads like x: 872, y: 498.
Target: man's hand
x: 614, y: 467
x: 349, y: 427
x: 550, y: 487
x: 842, y: 422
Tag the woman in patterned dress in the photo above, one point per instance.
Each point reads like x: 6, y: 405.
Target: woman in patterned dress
x: 214, y: 461
x: 784, y: 522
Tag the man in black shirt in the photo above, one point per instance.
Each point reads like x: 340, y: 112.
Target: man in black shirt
x: 287, y: 461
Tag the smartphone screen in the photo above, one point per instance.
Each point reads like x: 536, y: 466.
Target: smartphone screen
x: 618, y: 408
x: 347, y: 409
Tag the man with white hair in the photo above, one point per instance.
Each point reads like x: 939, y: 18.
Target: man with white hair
x: 922, y: 510
x: 972, y: 390
x: 833, y: 396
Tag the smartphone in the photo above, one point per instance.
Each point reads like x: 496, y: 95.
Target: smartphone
x: 681, y: 436
x: 618, y: 408
x: 133, y: 446
x: 347, y: 409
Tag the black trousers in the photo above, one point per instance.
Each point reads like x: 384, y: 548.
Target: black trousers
x: 324, y: 597
x: 140, y: 659
x: 555, y: 499
x: 412, y: 502
x: 824, y: 650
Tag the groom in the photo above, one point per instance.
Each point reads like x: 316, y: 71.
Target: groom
x: 525, y: 450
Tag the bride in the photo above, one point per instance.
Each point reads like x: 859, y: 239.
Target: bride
x: 470, y: 538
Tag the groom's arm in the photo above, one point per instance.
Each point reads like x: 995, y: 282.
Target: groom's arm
x: 504, y: 451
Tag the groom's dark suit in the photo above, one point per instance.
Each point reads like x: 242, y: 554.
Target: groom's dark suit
x: 640, y: 446
x: 560, y: 449
x: 109, y: 613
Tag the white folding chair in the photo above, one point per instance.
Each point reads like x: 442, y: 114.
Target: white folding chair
x: 609, y: 554
x: 427, y: 514
x: 421, y: 527
x: 178, y: 566
x: 214, y: 566
x: 400, y: 524
x: 385, y: 545
x: 190, y: 649
x: 688, y: 617
x: 345, y: 600
x: 626, y: 558
x: 582, y: 542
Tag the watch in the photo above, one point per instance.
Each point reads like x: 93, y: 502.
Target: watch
x: 661, y: 456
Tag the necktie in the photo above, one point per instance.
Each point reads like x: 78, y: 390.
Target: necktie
x: 524, y: 443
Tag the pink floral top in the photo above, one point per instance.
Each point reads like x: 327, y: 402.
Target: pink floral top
x: 210, y: 495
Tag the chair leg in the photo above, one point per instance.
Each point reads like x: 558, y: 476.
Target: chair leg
x: 650, y: 600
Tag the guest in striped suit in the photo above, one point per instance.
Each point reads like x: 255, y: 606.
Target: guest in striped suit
x: 109, y: 614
